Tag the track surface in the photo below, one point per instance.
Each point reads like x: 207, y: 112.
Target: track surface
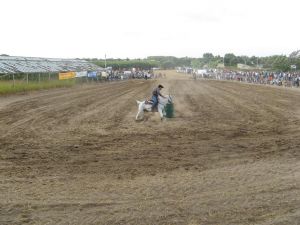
x: 76, y: 156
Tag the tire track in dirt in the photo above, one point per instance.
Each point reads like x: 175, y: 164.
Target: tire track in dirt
x: 56, y: 109
x: 40, y: 105
x: 255, y: 113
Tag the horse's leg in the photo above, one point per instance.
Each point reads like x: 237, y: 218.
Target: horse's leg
x: 140, y: 112
x: 164, y: 112
x: 137, y: 115
x: 160, y: 112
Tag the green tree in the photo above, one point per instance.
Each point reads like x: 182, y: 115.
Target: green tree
x: 281, y: 63
x: 230, y: 59
x: 207, y: 58
x: 168, y: 64
x: 197, y: 63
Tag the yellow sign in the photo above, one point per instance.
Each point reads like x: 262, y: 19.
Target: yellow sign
x: 67, y: 75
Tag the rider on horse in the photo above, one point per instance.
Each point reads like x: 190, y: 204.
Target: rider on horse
x: 155, y: 94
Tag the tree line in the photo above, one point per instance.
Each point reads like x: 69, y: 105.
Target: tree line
x: 119, y: 64
x: 208, y: 60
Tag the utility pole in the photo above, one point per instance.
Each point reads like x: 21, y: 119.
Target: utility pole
x: 105, y: 60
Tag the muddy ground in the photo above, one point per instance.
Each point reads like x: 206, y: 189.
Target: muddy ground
x: 230, y: 156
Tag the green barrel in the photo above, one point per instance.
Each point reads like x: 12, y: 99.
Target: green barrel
x: 169, y: 110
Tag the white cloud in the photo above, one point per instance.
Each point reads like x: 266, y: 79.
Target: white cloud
x: 138, y: 28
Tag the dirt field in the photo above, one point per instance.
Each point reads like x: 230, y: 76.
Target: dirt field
x: 77, y: 156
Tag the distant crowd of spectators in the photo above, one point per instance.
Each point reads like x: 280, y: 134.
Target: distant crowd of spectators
x: 288, y: 79
x: 141, y: 74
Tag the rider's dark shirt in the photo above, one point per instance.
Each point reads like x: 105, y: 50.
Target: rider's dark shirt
x: 156, y: 92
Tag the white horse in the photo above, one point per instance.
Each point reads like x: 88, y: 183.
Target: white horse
x: 143, y: 107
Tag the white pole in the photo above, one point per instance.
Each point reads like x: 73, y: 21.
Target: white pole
x: 105, y: 60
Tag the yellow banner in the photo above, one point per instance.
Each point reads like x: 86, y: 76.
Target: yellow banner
x: 67, y: 75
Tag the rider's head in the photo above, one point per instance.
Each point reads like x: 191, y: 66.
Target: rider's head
x: 160, y: 86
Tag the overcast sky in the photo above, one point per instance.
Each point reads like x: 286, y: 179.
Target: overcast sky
x: 141, y: 28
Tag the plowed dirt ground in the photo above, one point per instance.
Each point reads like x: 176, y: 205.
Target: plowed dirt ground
x: 230, y: 156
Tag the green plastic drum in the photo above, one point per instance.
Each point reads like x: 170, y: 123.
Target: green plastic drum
x: 169, y: 110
